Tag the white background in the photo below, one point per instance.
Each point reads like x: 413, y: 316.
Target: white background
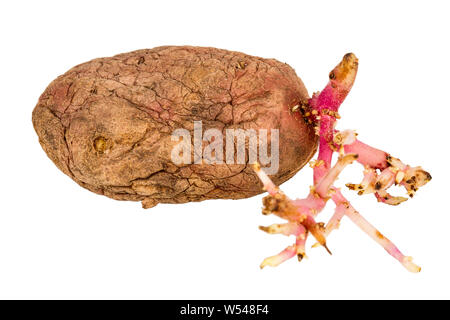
x: 58, y: 240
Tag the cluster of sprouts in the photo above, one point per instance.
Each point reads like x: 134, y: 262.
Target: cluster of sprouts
x: 381, y: 171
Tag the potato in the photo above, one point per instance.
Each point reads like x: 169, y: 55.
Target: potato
x: 109, y: 123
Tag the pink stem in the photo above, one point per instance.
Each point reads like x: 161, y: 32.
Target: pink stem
x: 284, y: 255
x: 335, y: 220
x: 269, y: 186
x: 329, y: 99
x: 370, y: 230
x: 326, y: 183
x: 368, y: 156
x: 325, y: 152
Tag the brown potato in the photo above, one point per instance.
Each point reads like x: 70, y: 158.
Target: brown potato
x: 107, y: 123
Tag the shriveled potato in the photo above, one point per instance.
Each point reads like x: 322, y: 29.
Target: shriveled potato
x: 108, y: 123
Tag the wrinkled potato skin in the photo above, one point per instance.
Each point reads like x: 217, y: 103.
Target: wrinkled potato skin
x: 107, y: 123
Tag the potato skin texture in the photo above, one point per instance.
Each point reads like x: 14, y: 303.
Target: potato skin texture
x: 107, y: 123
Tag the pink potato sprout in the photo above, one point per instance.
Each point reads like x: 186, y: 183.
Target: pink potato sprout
x: 381, y: 171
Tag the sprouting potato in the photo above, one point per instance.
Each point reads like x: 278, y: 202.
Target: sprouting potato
x: 180, y: 124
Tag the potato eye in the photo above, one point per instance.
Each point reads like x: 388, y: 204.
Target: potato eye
x: 100, y: 144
